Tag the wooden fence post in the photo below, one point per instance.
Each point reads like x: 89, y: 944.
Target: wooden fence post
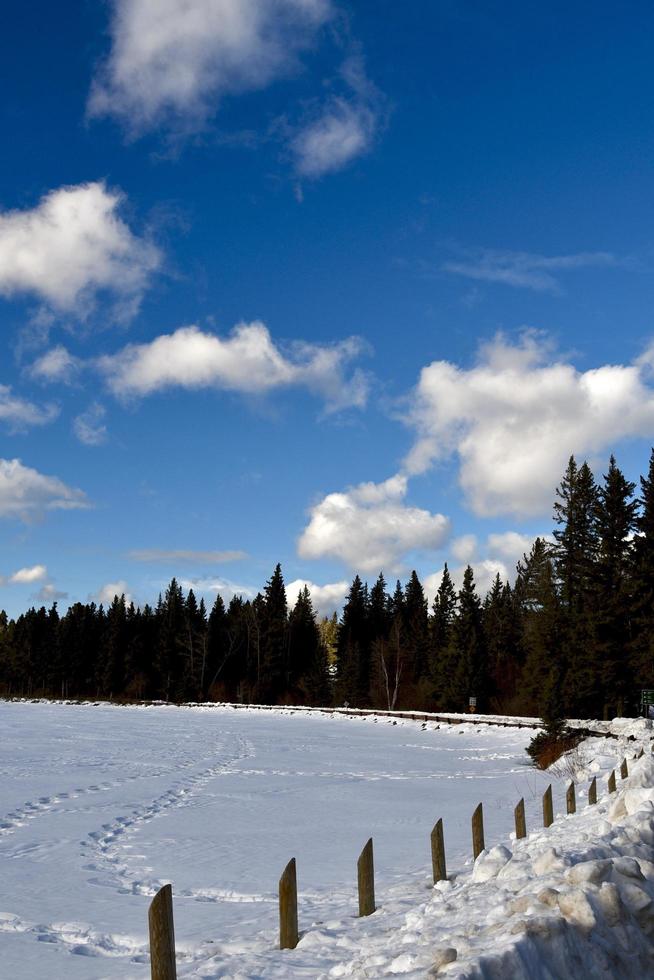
x: 288, y: 934
x: 592, y: 791
x: 438, y: 852
x: 366, y: 880
x: 570, y: 799
x: 162, y: 935
x: 478, y: 832
x: 641, y: 753
x: 520, y: 822
x: 612, y: 781
x: 624, y: 770
x: 548, y: 810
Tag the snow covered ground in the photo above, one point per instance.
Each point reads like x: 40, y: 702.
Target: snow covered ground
x: 101, y: 805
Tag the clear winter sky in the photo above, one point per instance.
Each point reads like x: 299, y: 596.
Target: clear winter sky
x: 335, y: 283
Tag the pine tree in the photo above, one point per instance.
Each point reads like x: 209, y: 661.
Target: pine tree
x: 467, y: 650
x: 308, y: 683
x: 353, y: 652
x: 616, y: 518
x: 541, y: 635
x: 274, y: 672
x: 642, y: 601
x: 576, y: 551
x: 441, y: 623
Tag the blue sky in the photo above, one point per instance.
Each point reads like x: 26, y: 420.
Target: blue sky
x: 338, y: 285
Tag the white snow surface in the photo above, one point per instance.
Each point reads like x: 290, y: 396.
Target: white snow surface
x: 101, y: 805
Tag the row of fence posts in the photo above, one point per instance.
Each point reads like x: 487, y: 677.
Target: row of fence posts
x: 160, y: 914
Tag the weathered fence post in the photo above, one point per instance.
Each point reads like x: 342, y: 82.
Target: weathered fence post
x: 624, y: 769
x: 366, y: 879
x: 641, y: 753
x: 478, y: 832
x: 592, y: 791
x: 288, y: 934
x: 612, y: 781
x: 162, y: 935
x: 438, y: 852
x: 520, y: 822
x: 570, y: 799
x: 548, y: 809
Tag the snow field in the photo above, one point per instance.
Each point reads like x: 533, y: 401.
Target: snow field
x: 102, y: 805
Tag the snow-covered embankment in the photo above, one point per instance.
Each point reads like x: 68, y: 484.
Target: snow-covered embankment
x: 575, y: 900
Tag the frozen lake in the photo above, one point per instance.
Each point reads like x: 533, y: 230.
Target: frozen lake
x: 101, y: 805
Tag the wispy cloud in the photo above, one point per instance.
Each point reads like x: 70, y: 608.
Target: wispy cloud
x: 19, y: 414
x: 26, y: 494
x: 89, y: 426
x: 341, y: 128
x: 526, y: 270
x: 186, y: 555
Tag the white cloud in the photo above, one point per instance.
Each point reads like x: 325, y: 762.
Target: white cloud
x: 369, y: 527
x: 107, y: 593
x: 524, y: 269
x: 19, y: 414
x: 246, y: 361
x: 343, y: 127
x: 326, y: 599
x: 186, y: 555
x: 89, y: 427
x: 26, y: 576
x: 218, y: 586
x: 484, y: 570
x: 516, y: 416
x: 464, y: 548
x: 511, y: 546
x: 73, y: 247
x: 49, y: 593
x: 172, y: 60
x: 27, y: 494
x: 57, y: 364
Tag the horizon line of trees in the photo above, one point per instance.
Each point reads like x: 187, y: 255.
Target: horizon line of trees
x: 572, y: 637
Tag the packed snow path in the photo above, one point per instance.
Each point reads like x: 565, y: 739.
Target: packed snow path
x: 100, y: 805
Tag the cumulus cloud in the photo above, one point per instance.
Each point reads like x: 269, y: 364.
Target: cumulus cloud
x: 19, y: 414
x: 171, y: 61
x: 464, y: 548
x: 186, y: 555
x: 26, y: 576
x: 107, y: 593
x: 341, y: 129
x: 515, y: 417
x: 326, y: 599
x: 74, y: 247
x: 526, y: 270
x: 89, y: 426
x: 369, y: 527
x: 27, y: 495
x: 56, y: 365
x: 247, y: 361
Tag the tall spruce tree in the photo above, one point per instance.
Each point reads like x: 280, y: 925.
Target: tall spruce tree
x: 441, y: 624
x: 642, y: 593
x: 353, y: 648
x: 467, y: 654
x: 616, y: 518
x: 274, y: 668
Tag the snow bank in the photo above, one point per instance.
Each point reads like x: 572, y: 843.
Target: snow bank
x: 576, y: 900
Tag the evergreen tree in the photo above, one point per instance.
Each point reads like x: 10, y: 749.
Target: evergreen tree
x: 441, y: 623
x: 616, y: 518
x: 642, y: 594
x: 353, y: 654
x: 274, y: 667
x: 467, y: 650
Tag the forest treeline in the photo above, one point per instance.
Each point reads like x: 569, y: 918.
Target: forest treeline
x: 573, y: 635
